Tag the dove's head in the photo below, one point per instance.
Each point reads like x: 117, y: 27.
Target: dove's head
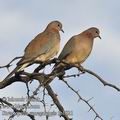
x: 55, y: 25
x: 93, y: 32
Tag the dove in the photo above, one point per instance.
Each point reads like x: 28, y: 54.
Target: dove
x: 42, y: 48
x: 77, y: 49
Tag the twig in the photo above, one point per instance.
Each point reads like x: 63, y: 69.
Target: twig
x: 86, y: 101
x: 44, y: 104
x: 26, y: 105
x: 74, y: 75
x: 31, y: 97
x: 83, y: 70
x: 57, y: 103
x: 105, y: 83
x: 16, y: 110
x: 44, y: 78
x: 9, y: 64
x: 28, y: 90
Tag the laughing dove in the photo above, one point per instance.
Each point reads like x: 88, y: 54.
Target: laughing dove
x: 78, y: 48
x: 42, y: 48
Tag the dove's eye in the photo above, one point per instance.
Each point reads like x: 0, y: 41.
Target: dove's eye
x: 97, y: 32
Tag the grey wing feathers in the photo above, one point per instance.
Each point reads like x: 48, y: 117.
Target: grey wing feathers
x: 42, y: 50
x: 67, y: 49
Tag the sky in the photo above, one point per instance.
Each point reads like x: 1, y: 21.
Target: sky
x: 21, y: 21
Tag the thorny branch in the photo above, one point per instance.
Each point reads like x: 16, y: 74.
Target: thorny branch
x: 105, y: 83
x: 16, y: 110
x: 50, y: 92
x: 57, y: 103
x: 86, y: 101
x: 45, y: 80
x: 55, y: 60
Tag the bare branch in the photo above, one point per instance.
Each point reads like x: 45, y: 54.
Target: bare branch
x: 74, y: 75
x: 13, y: 79
x: 105, y: 83
x: 57, y: 103
x: 9, y: 64
x: 31, y: 97
x: 44, y: 104
x: 28, y: 90
x: 81, y: 98
x: 84, y: 70
x: 45, y: 80
x: 16, y: 110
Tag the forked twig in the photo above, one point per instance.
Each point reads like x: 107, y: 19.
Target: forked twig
x: 9, y: 64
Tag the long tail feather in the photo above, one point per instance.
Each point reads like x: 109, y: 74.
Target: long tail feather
x: 17, y: 69
x: 9, y: 75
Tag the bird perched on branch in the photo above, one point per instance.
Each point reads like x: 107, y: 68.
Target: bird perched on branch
x: 42, y: 48
x: 77, y: 49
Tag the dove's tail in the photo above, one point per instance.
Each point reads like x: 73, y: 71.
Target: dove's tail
x: 9, y: 75
x: 22, y: 67
x: 17, y: 69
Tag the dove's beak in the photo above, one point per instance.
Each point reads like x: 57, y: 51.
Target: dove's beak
x: 62, y: 30
x: 99, y: 37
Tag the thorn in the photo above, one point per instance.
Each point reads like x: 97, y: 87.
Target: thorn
x: 52, y: 104
x: 79, y: 100
x: 8, y: 69
x: 8, y: 66
x: 95, y: 117
x: 91, y: 107
x: 90, y: 99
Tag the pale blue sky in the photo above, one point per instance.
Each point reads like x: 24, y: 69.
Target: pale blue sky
x: 20, y: 21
